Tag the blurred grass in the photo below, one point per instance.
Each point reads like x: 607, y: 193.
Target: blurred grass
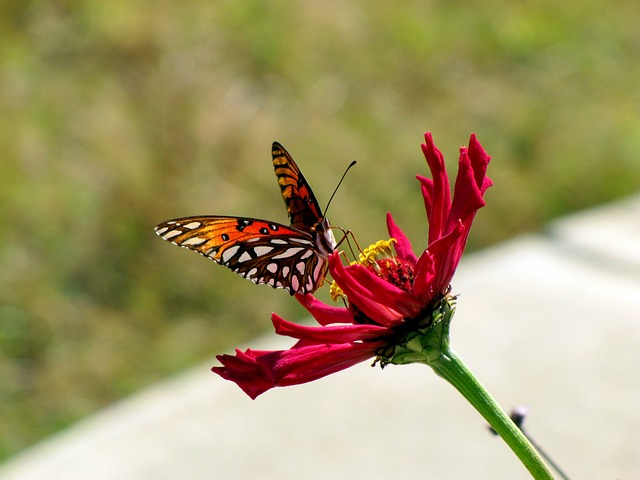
x: 118, y: 115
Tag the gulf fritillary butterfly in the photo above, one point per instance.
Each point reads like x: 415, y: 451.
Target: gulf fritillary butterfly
x: 291, y: 257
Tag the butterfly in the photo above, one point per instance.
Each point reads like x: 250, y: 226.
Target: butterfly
x: 292, y: 257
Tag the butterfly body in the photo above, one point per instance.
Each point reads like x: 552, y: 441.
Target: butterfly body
x: 291, y: 257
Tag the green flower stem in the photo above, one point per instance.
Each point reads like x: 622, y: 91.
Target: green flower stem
x: 428, y: 343
x: 450, y: 367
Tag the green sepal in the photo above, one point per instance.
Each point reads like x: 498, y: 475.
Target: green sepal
x: 428, y: 338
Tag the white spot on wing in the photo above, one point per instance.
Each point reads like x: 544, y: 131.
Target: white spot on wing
x: 295, y: 283
x: 273, y: 267
x: 318, y: 271
x: 229, y: 253
x: 171, y: 234
x: 251, y: 273
x: 160, y: 231
x: 300, y: 267
x: 192, y: 225
x: 244, y: 257
x: 278, y: 241
x: 301, y: 241
x: 194, y: 241
x: 289, y: 252
x: 285, y: 270
x: 306, y: 254
x: 260, y: 251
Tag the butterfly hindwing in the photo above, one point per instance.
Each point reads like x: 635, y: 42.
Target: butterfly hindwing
x: 261, y: 251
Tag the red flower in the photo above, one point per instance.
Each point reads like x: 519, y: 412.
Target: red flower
x: 389, y: 298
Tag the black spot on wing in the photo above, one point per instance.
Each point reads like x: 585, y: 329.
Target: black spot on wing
x: 243, y: 223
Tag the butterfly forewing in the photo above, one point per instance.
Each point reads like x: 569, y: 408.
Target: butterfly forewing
x: 263, y: 252
x: 303, y: 208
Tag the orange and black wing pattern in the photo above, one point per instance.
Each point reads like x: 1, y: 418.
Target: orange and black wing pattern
x: 302, y: 206
x: 261, y: 251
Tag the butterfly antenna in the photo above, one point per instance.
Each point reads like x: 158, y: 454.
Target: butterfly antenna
x: 338, y: 186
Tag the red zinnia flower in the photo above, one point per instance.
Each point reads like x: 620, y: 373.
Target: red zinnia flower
x: 391, y: 300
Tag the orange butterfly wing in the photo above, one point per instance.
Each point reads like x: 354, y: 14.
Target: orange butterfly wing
x: 261, y: 251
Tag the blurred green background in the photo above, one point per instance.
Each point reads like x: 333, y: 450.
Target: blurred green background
x: 118, y: 115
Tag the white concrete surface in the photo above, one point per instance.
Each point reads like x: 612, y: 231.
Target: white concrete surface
x: 551, y: 322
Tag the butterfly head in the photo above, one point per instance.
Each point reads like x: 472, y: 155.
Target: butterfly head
x: 325, y: 241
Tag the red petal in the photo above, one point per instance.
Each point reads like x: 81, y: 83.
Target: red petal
x: 245, y: 371
x: 480, y: 161
x: 364, y: 300
x: 334, y: 334
x: 403, y: 245
x: 441, y: 196
x: 323, y: 313
x: 446, y: 253
x: 255, y: 372
x: 467, y: 196
x: 384, y: 293
x: 365, y: 290
x: 426, y: 185
x: 308, y: 363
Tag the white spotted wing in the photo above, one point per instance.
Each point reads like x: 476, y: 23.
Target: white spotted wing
x: 261, y: 251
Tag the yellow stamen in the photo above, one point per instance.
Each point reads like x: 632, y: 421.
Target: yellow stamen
x: 380, y: 249
x: 335, y: 292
